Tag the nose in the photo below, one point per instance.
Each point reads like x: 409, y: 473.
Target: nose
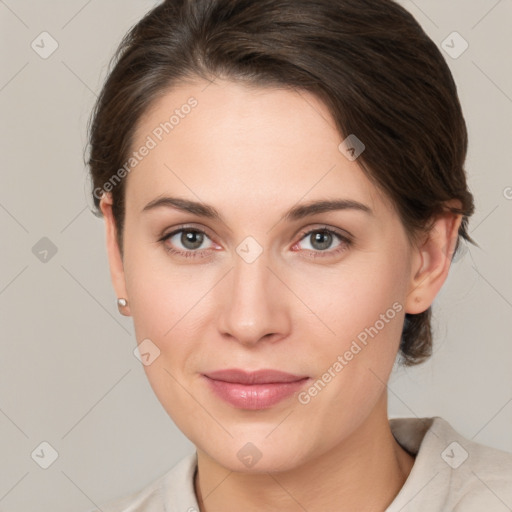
x: 253, y: 306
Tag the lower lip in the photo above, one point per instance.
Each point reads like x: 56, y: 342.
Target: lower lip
x: 254, y: 396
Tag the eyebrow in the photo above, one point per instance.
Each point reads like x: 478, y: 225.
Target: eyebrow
x: 295, y: 213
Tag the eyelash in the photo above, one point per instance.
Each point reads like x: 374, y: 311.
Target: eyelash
x: 345, y: 242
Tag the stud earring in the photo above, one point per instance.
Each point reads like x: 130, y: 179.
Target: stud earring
x: 121, y: 303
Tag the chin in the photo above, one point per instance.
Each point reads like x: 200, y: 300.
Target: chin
x: 256, y: 456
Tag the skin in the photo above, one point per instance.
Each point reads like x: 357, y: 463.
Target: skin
x: 253, y: 153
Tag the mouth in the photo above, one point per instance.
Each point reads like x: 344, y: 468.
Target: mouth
x: 254, y: 390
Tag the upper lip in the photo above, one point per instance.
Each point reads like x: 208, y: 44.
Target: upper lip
x: 265, y: 376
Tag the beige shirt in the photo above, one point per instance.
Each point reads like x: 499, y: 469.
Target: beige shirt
x: 450, y: 474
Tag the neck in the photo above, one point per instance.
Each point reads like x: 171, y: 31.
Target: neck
x: 363, y: 472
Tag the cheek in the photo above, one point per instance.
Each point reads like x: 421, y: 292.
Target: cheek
x: 162, y: 300
x: 162, y: 294
x: 356, y: 298
x: 364, y: 312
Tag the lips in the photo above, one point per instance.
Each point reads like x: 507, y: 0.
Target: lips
x: 256, y: 377
x: 259, y: 389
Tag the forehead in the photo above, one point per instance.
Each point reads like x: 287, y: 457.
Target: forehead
x: 249, y: 147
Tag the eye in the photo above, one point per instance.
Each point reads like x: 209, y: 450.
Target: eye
x: 321, y: 242
x: 191, y: 242
x: 187, y: 242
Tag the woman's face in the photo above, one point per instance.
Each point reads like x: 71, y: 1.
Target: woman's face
x: 261, y: 289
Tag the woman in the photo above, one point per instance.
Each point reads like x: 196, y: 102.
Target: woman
x: 283, y: 189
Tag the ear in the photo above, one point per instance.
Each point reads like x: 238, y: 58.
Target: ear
x: 113, y: 252
x: 431, y: 262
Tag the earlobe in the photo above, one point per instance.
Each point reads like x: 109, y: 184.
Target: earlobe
x: 114, y: 254
x: 431, y: 263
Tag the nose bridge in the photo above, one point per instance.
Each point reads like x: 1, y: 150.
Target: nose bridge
x: 251, y: 278
x: 255, y: 306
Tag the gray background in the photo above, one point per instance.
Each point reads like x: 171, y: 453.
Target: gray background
x: 68, y: 375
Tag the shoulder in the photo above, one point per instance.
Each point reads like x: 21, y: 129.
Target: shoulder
x: 451, y: 472
x: 175, y: 487
x: 480, y: 475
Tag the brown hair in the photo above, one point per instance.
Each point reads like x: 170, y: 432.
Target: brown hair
x: 382, y: 78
